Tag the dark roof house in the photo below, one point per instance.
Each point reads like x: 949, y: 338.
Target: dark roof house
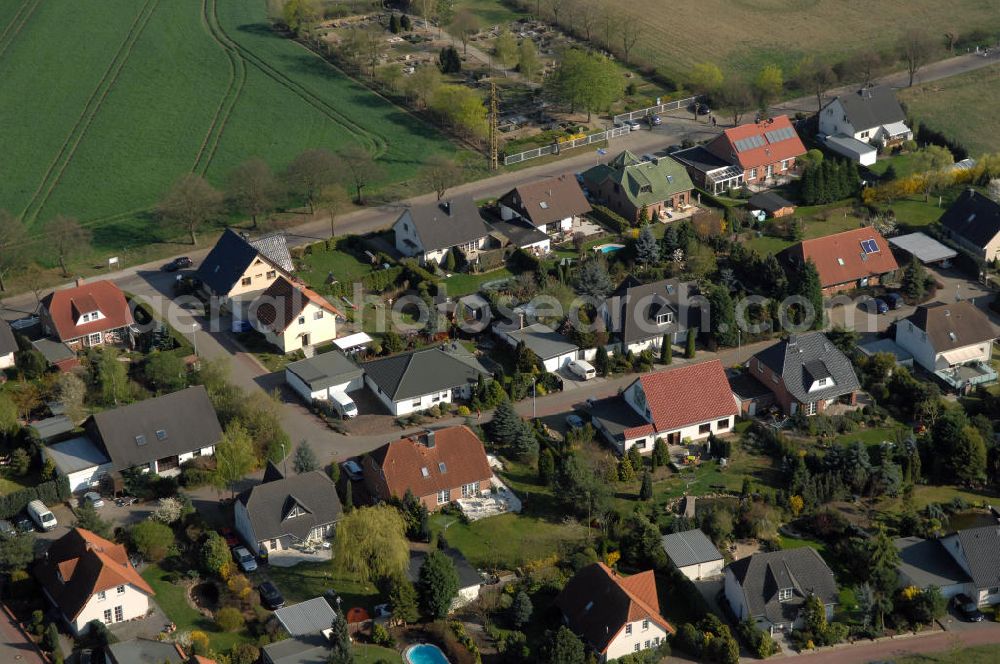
x: 423, y: 371
x: 871, y: 107
x: 233, y: 254
x: 444, y: 224
x: 294, y: 506
x: 953, y: 325
x: 973, y: 220
x: 926, y: 562
x: 808, y: 368
x: 689, y: 547
x: 979, y: 550
x: 639, y: 312
x: 547, y: 201
x: 771, y: 203
x: 773, y: 587
x: 8, y: 344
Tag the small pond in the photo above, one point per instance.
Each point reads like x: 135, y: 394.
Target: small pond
x: 971, y: 519
x: 206, y: 596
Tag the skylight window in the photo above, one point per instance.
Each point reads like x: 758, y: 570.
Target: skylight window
x: 543, y: 204
x: 840, y: 261
x: 140, y: 439
x: 161, y: 434
x: 869, y: 246
x: 424, y: 472
x: 442, y: 467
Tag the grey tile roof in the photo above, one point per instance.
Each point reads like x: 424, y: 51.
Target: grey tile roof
x: 973, y: 217
x: 52, y: 427
x: 186, y: 419
x: 769, y: 201
x: 448, y: 223
x: 700, y: 159
x: 232, y: 255
x: 981, y: 547
x: 309, y: 617
x: 872, y: 107
x: 615, y: 416
x: 313, y: 649
x: 52, y: 350
x: 762, y: 575
x: 76, y: 454
x: 635, y: 305
x: 519, y: 232
x: 542, y: 340
x: 326, y: 370
x: 746, y: 387
x: 274, y: 247
x: 269, y: 504
x: 927, y: 563
x: 802, y: 358
x: 8, y: 344
x: 145, y: 651
x: 468, y: 577
x: 954, y: 325
x: 689, y: 548
x: 423, y: 371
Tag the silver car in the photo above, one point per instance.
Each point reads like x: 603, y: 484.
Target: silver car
x: 245, y: 559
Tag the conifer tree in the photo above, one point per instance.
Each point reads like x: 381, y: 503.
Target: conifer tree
x: 666, y: 350
x: 690, y: 350
x: 646, y: 490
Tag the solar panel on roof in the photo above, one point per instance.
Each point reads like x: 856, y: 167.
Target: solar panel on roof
x: 869, y: 246
x: 781, y: 134
x: 749, y: 143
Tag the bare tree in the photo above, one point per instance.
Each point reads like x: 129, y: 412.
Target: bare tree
x: 867, y: 64
x: 332, y: 198
x: 951, y: 39
x: 251, y: 187
x: 915, y: 48
x: 554, y: 7
x: 310, y: 172
x: 428, y: 9
x: 362, y: 170
x: 12, y: 238
x: 373, y: 46
x: 191, y: 202
x: 630, y: 31
x: 738, y: 96
x: 817, y: 76
x: 67, y: 238
x: 463, y: 27
x: 441, y: 174
x: 586, y: 15
x: 611, y: 18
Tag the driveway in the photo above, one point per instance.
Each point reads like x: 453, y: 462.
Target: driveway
x: 14, y: 645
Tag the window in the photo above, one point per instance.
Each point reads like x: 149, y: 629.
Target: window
x: 722, y: 424
x: 140, y: 439
x: 993, y: 591
x: 94, y: 339
x: 424, y: 472
x: 469, y: 490
x: 107, y: 616
x: 120, y: 590
x: 258, y: 275
x: 774, y: 378
x: 840, y: 261
x: 656, y: 640
x: 640, y: 444
x: 246, y: 281
x: 753, y: 173
x: 405, y: 226
x: 810, y: 408
x: 302, y: 320
x: 865, y: 134
x: 101, y: 596
x: 274, y: 544
x: 628, y: 629
x: 318, y: 315
x: 645, y: 625
x: 635, y: 648
x: 443, y: 468
x: 444, y: 496
x: 119, y: 614
x: 663, y: 319
x: 645, y: 643
x: 784, y: 594
x: 416, y: 403
x: 272, y: 274
x: 161, y: 434
x: 784, y: 164
x: 704, y: 428
x: 821, y: 382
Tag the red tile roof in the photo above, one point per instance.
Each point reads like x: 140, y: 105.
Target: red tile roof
x: 841, y: 259
x: 688, y: 395
x: 66, y: 306
x: 458, y: 448
x: 284, y: 300
x: 87, y: 564
x: 763, y: 143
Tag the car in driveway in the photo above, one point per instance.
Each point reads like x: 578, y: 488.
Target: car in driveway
x: 967, y: 609
x: 230, y: 536
x: 574, y: 421
x: 353, y: 470
x: 699, y: 108
x: 655, y: 120
x: 244, y: 559
x: 270, y: 596
x: 178, y: 263
x: 93, y: 499
x: 895, y: 300
x: 24, y: 524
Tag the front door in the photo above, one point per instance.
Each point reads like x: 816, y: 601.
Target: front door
x: 305, y: 339
x: 674, y: 438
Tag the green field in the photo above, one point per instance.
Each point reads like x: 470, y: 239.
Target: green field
x: 102, y: 109
x: 961, y: 107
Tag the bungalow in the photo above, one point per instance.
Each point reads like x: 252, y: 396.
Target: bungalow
x: 973, y: 222
x: 283, y: 512
x: 469, y: 579
x: 952, y: 341
x: 976, y: 550
x: 927, y: 562
x: 430, y: 231
x: 765, y: 151
x: 438, y: 467
x: 553, y: 349
x: 614, y: 615
x: 770, y: 589
x: 8, y: 345
x: 688, y: 402
x: 628, y: 185
x: 86, y: 577
x: 551, y: 205
x: 420, y: 379
x: 89, y: 314
x: 237, y: 268
x: 322, y: 376
x: 638, y: 314
x: 852, y: 259
x: 806, y: 373
x: 293, y: 316
x: 870, y: 115
x: 693, y: 554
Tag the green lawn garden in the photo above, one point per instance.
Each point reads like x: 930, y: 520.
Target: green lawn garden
x: 307, y: 580
x: 507, y: 541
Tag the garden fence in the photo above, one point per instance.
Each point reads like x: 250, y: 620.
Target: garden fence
x: 652, y: 110
x: 556, y: 148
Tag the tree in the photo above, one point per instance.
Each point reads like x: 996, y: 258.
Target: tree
x: 738, y: 96
x: 166, y: 372
x: 251, y: 187
x: 818, y: 76
x: 462, y: 108
x: 527, y: 59
x: 593, y: 280
x: 916, y: 48
x: 405, y: 23
x: 305, y: 459
x: 300, y: 14
x: 16, y: 552
x: 506, y: 423
x: 71, y: 392
x: 13, y: 237
x: 310, y: 172
x: 661, y: 453
x: 371, y: 543
x: 341, y: 651
x: 422, y: 85
x: 441, y: 174
x: 723, y: 316
x: 152, y: 539
x: 601, y: 363
x: 88, y: 519
x: 437, y: 585
x: 690, y: 350
x: 646, y: 489
x: 66, y: 238
x: 234, y: 456
x: 667, y: 349
x: 332, y: 198
x: 403, y: 599
x: 362, y: 169
x: 214, y: 556
x: 449, y: 61
x: 464, y: 25
x: 566, y: 648
x: 914, y: 280
x: 585, y: 80
x: 189, y: 203
x: 394, y: 24
x: 706, y: 78
x: 768, y: 84
x: 629, y: 31
x: 809, y: 287
x: 647, y: 251
x: 505, y: 48
x: 521, y: 610
x: 112, y: 377
x: 546, y: 466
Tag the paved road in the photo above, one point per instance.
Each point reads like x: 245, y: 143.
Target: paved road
x: 14, y: 645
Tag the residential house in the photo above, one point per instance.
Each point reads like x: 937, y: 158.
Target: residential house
x: 89, y: 314
x: 683, y: 404
x: 469, y: 579
x: 852, y: 259
x: 237, y: 269
x: 751, y: 394
x: 771, y: 204
x: 320, y: 377
x: 639, y: 314
x: 770, y: 589
x: 80, y: 461
x: 420, y: 379
x: 708, y: 171
x: 693, y: 554
x: 870, y: 115
x: 614, y: 615
x: 977, y: 551
x: 430, y: 231
x: 145, y: 651
x: 312, y: 649
x: 927, y: 562
x: 628, y: 185
x: 86, y: 577
x: 312, y: 616
x: 952, y: 341
x: 551, y: 205
x: 284, y: 512
x: 973, y: 222
x: 806, y: 373
x: 553, y: 349
x: 293, y: 316
x: 438, y: 467
x: 8, y: 345
x: 765, y: 151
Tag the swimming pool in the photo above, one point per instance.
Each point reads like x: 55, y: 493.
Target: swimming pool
x: 609, y: 248
x: 425, y: 653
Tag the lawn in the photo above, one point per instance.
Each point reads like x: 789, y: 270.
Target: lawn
x: 798, y: 543
x: 375, y: 655
x: 962, y: 107
x: 307, y: 580
x: 872, y: 436
x: 343, y: 265
x: 489, y: 13
x: 974, y: 655
x: 463, y: 284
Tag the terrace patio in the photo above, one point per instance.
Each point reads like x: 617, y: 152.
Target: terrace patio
x: 500, y: 500
x: 301, y: 552
x: 967, y: 376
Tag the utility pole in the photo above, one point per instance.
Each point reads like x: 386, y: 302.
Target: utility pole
x: 494, y: 131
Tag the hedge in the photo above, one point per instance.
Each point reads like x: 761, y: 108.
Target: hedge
x: 610, y: 218
x: 50, y: 493
x: 416, y: 274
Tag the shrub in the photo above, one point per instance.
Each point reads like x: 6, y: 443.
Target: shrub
x: 199, y: 642
x: 610, y: 218
x: 152, y: 539
x: 229, y: 619
x: 381, y: 636
x: 244, y: 653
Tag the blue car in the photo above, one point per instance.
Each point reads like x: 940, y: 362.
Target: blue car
x: 895, y: 300
x: 878, y: 305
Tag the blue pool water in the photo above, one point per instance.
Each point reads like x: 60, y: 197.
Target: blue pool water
x: 425, y: 654
x: 609, y: 248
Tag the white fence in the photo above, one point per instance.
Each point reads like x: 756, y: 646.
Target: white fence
x: 652, y: 110
x: 556, y: 148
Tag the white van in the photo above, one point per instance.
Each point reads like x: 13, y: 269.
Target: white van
x: 343, y: 405
x: 582, y: 369
x: 41, y: 515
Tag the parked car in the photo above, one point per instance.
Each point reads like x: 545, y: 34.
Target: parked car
x: 582, y: 369
x: 699, y: 108
x: 895, y: 300
x: 93, y: 498
x: 968, y: 609
x: 178, y: 263
x: 24, y: 524
x: 7, y: 528
x: 245, y: 559
x: 880, y: 306
x: 230, y: 536
x: 633, y: 124
x: 574, y: 421
x: 270, y: 596
x: 42, y: 515
x: 655, y: 121
x: 353, y: 469
x: 24, y: 323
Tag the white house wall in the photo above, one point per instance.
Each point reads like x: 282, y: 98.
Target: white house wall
x: 702, y: 570
x: 134, y: 603
x: 412, y: 405
x: 310, y: 395
x: 320, y: 331
x: 187, y: 456
x: 624, y: 644
x: 88, y: 478
x: 6, y: 361
x: 405, y: 230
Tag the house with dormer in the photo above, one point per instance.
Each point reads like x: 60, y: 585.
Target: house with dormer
x: 85, y: 577
x: 638, y: 315
x: 846, y: 261
x: 765, y: 151
x: 628, y: 185
x: 771, y: 589
x: 973, y: 223
x: 428, y: 232
x: 87, y: 315
x: 238, y: 269
x: 292, y: 316
x: 870, y: 115
x: 551, y: 205
x: 285, y: 512
x: 806, y: 373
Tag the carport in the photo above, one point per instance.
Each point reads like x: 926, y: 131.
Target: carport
x: 924, y: 248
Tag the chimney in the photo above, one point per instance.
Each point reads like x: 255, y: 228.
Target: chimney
x: 520, y: 321
x: 446, y: 206
x: 79, y: 281
x: 429, y: 439
x: 793, y: 341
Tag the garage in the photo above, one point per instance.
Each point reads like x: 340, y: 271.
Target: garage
x: 81, y: 461
x: 553, y: 349
x: 316, y: 378
x: 693, y: 554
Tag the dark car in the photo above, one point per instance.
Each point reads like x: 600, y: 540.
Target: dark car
x: 178, y: 263
x: 876, y: 306
x: 24, y: 524
x: 270, y: 596
x: 655, y: 120
x: 968, y: 609
x: 699, y: 108
x: 895, y: 300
